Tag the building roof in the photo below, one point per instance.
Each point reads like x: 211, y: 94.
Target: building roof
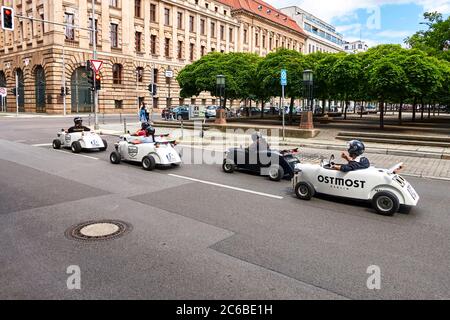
x: 264, y: 10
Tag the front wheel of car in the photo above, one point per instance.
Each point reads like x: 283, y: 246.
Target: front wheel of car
x: 304, y: 190
x: 228, y: 166
x: 56, y: 144
x: 385, y: 203
x: 148, y: 163
x: 76, y: 147
x: 105, y: 145
x: 114, y: 157
x: 276, y: 173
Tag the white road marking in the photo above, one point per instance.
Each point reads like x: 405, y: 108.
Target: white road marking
x: 42, y: 145
x: 76, y: 154
x: 227, y: 187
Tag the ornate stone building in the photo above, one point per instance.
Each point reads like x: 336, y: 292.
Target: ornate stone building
x: 138, y: 40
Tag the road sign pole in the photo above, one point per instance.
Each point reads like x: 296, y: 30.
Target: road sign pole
x: 94, y: 53
x: 17, y: 94
x: 282, y: 106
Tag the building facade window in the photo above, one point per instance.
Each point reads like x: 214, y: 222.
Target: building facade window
x: 191, y: 51
x: 245, y: 36
x: 138, y: 41
x: 69, y: 18
x: 152, y: 12
x: 114, y: 3
x: 91, y: 33
x: 180, y: 50
x: 155, y: 75
x: 231, y: 34
x: 202, y: 50
x: 222, y: 33
x: 118, y: 104
x: 191, y: 23
x: 166, y: 17
x: 140, y: 74
x: 117, y: 73
x: 180, y: 20
x: 256, y: 39
x: 114, y: 35
x: 264, y: 41
x: 137, y: 8
x: 167, y: 47
x: 202, y: 27
x: 153, y: 44
x: 213, y: 29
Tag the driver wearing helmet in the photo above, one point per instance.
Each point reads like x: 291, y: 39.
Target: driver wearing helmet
x: 78, y: 127
x: 259, y: 143
x: 354, y: 157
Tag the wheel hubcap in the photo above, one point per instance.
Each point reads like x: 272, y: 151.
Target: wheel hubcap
x: 385, y: 203
x: 303, y: 190
x: 273, y: 173
x: 227, y: 166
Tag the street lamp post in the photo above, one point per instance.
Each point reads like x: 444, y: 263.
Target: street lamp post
x: 169, y: 76
x: 220, y: 86
x: 307, y: 114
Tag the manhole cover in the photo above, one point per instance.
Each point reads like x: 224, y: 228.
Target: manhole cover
x: 98, y: 230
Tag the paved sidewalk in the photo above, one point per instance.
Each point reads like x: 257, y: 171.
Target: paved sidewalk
x: 418, y: 161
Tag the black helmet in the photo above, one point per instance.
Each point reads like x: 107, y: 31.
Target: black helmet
x: 355, y: 147
x: 145, y: 125
x: 150, y: 131
x: 256, y: 136
x: 77, y: 119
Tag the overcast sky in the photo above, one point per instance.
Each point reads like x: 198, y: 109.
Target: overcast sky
x: 376, y: 21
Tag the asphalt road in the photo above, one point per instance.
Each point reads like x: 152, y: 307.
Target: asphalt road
x: 193, y: 240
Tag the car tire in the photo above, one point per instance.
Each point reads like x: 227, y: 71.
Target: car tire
x: 385, y: 203
x: 56, y: 144
x: 276, y: 173
x: 115, y: 157
x: 76, y: 147
x: 228, y: 166
x: 148, y: 163
x: 105, y: 143
x: 304, y: 190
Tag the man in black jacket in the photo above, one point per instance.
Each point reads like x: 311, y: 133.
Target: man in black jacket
x: 355, y: 160
x: 78, y: 127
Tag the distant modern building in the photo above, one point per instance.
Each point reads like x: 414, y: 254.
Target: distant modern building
x: 322, y: 37
x: 355, y: 46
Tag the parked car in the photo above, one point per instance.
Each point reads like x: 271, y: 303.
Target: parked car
x: 181, y: 112
x: 210, y: 111
x: 253, y: 111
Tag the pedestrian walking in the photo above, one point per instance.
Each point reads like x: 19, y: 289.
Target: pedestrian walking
x: 142, y: 116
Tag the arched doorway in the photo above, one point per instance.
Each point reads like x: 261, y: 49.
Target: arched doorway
x: 3, y: 85
x: 21, y: 91
x: 82, y: 98
x: 39, y: 84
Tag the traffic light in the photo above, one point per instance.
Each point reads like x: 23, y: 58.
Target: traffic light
x: 90, y: 77
x: 98, y: 81
x: 7, y: 18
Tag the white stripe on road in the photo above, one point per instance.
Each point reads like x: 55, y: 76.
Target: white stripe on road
x: 76, y: 154
x: 42, y: 145
x: 228, y: 187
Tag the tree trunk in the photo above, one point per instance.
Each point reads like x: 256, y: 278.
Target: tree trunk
x: 323, y: 107
x: 262, y: 109
x: 422, y: 106
x: 414, y: 110
x: 291, y: 108
x: 400, y: 112
x: 429, y: 111
x: 361, y: 109
x: 345, y: 109
x: 381, y: 114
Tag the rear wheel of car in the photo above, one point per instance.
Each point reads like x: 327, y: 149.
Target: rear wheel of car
x: 276, y: 173
x: 105, y: 145
x: 114, y: 157
x: 148, y: 163
x: 304, y: 190
x: 228, y: 166
x: 56, y: 144
x: 385, y: 203
x: 76, y: 147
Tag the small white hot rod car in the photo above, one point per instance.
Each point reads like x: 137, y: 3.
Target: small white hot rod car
x: 77, y: 141
x: 150, y: 154
x: 388, y: 191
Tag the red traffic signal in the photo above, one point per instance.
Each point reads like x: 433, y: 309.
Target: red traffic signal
x: 7, y: 18
x: 98, y: 81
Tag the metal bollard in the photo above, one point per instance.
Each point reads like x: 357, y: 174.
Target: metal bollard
x: 120, y: 117
x: 182, y: 131
x: 103, y: 118
x: 89, y: 119
x: 124, y: 125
